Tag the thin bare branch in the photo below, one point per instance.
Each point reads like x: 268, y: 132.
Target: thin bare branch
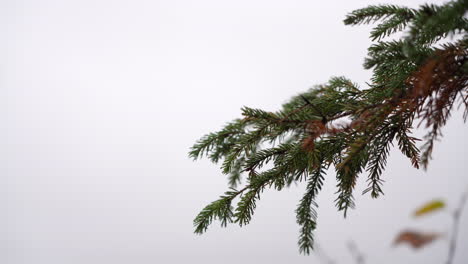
x: 456, y: 223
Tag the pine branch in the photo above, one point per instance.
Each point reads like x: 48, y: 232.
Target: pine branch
x: 306, y: 214
x: 220, y: 209
x: 432, y: 23
x: 407, y: 145
x: 378, y: 154
x: 373, y: 13
x: 338, y: 124
x: 219, y: 143
x: 392, y: 25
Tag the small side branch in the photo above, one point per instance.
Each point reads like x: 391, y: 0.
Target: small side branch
x: 324, y: 118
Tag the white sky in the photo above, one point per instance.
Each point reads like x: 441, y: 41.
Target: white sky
x: 101, y: 101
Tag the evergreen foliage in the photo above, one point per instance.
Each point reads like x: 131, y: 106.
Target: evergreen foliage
x: 417, y: 80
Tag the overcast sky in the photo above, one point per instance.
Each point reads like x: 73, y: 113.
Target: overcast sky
x: 101, y: 100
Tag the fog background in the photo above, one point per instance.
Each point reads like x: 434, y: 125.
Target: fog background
x: 101, y: 100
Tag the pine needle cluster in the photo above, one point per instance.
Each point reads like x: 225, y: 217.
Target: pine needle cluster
x: 417, y: 80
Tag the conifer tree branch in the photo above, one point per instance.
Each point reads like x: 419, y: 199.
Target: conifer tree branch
x: 338, y: 124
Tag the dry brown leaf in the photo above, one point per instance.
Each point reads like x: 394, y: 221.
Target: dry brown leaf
x: 416, y: 239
